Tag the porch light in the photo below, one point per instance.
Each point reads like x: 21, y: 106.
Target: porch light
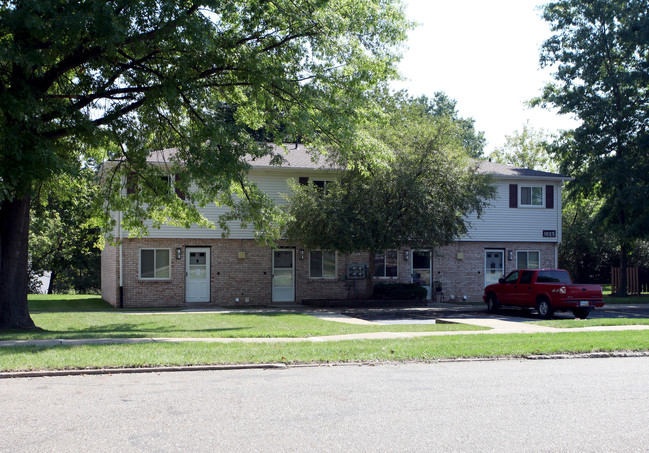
x: 301, y: 254
x: 178, y: 251
x: 510, y: 255
x: 406, y: 255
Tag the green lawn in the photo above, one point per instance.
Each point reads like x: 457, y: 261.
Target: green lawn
x: 200, y: 325
x: 609, y: 299
x: 574, y: 323
x: 87, y: 317
x: 76, y: 317
x: 66, y: 302
x: 426, y: 349
x: 612, y: 300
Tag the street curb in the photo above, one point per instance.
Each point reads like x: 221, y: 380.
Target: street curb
x: 159, y: 369
x: 283, y: 366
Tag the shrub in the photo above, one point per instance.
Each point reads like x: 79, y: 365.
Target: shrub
x: 399, y: 291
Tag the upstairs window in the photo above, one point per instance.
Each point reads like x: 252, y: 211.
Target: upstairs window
x: 320, y: 184
x: 532, y: 196
x: 168, y: 184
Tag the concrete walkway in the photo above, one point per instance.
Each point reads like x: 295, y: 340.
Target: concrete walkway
x: 497, y: 325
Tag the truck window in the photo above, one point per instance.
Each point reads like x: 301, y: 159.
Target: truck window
x: 512, y: 278
x: 526, y: 277
x: 553, y: 277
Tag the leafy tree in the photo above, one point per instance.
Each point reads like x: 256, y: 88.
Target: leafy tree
x: 587, y: 249
x: 600, y: 49
x: 62, y: 237
x: 84, y: 81
x: 417, y: 192
x: 441, y: 105
x: 586, y: 252
x: 526, y: 149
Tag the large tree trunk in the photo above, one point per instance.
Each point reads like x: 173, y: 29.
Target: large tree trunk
x: 14, y: 237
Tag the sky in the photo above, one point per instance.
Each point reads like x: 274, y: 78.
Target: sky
x: 485, y: 55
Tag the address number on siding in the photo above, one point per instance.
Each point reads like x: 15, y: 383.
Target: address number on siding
x: 549, y: 233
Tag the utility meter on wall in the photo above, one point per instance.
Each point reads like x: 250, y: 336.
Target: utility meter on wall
x: 356, y: 271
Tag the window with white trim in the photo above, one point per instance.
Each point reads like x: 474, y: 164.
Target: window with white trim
x: 386, y: 264
x: 528, y: 259
x: 531, y: 196
x: 155, y: 264
x: 322, y: 264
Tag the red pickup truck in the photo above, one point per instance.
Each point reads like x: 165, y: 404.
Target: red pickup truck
x: 547, y: 290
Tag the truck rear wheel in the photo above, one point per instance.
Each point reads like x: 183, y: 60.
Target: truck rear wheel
x: 545, y: 308
x: 581, y: 313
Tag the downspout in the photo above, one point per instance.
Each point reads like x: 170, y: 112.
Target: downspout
x: 559, y: 225
x: 121, y: 260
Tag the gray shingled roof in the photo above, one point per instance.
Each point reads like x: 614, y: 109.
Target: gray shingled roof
x: 293, y: 156
x: 496, y: 169
x: 297, y: 156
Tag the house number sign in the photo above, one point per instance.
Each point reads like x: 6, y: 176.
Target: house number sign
x: 549, y: 233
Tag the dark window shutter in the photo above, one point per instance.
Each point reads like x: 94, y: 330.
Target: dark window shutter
x: 549, y: 197
x: 131, y: 183
x: 513, y: 195
x: 179, y: 192
x: 304, y: 180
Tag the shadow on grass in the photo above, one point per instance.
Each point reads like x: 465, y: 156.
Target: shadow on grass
x: 53, y: 303
x: 117, y: 331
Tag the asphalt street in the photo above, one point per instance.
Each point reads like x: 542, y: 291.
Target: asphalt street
x: 510, y: 405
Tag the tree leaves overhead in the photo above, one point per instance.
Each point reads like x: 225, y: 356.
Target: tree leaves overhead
x: 527, y: 148
x: 86, y: 81
x: 131, y: 77
x: 417, y: 193
x: 63, y: 240
x: 600, y: 51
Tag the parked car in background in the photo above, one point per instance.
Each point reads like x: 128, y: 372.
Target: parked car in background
x: 547, y: 290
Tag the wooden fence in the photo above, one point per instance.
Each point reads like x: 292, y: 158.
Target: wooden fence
x: 637, y: 280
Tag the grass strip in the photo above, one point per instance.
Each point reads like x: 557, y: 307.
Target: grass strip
x: 67, y: 302
x: 421, y: 349
x: 76, y: 325
x: 576, y: 323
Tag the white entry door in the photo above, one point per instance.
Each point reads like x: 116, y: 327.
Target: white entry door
x: 198, y: 274
x: 422, y: 270
x: 494, y: 266
x: 284, y: 275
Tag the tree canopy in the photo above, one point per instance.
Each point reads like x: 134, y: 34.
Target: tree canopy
x: 527, y: 148
x: 441, y: 105
x: 418, y: 194
x: 81, y: 82
x: 600, y: 49
x: 63, y: 239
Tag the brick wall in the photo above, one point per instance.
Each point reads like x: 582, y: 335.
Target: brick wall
x: 242, y: 270
x: 109, y: 275
x: 465, y: 276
